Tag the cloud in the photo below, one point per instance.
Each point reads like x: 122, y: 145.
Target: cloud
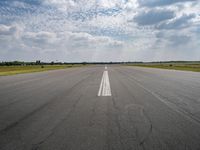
x: 177, y: 23
x: 63, y: 5
x: 111, y: 30
x: 5, y: 30
x: 153, y: 16
x: 154, y: 3
x: 88, y: 4
x: 31, y: 2
x: 9, y: 33
x: 40, y: 39
x: 49, y: 41
x: 85, y: 39
x: 179, y: 40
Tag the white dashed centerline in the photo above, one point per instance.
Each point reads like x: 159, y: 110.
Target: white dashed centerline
x: 104, y: 89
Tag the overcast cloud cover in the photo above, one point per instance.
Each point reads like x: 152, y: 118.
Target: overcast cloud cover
x: 99, y: 30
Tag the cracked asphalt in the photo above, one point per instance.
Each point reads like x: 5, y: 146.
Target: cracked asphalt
x: 150, y: 109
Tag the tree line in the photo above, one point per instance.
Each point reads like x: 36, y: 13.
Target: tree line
x: 38, y: 62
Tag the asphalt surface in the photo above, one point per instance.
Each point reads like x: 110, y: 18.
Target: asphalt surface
x: 150, y: 109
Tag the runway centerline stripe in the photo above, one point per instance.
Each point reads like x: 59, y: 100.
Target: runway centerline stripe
x: 104, y: 88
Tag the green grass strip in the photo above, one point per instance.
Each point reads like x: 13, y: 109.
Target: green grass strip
x: 12, y: 70
x: 183, y: 67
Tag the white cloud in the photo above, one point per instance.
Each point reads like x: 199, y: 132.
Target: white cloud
x: 61, y: 4
x: 90, y: 29
x: 153, y: 16
x: 10, y: 30
x: 45, y: 43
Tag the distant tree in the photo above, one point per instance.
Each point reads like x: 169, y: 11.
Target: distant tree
x: 84, y: 63
x: 37, y: 62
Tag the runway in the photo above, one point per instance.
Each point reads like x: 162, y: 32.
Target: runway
x: 100, y: 107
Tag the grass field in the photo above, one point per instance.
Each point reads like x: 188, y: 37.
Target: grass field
x: 175, y: 66
x: 12, y: 70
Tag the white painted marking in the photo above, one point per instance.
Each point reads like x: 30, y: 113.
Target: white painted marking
x: 106, y: 67
x: 104, y: 89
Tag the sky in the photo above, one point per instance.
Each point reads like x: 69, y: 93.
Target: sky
x: 99, y: 30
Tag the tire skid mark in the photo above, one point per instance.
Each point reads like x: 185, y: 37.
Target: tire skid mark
x: 189, y: 102
x: 117, y: 122
x: 147, y: 121
x: 170, y: 105
x: 126, y: 131
x: 92, y: 116
x: 49, y: 133
x: 26, y: 89
x: 37, y: 78
x: 44, y: 105
x: 37, y: 145
x: 187, y: 147
x: 142, y: 114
